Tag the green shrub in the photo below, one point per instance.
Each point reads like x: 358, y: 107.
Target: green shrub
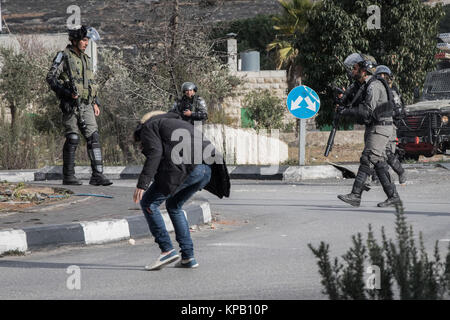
x: 401, y: 263
x: 265, y: 109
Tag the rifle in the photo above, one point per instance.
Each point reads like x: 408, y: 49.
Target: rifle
x: 337, y: 115
x: 336, y: 118
x: 73, y: 87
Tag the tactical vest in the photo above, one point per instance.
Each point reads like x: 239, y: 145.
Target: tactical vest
x: 82, y: 73
x: 385, y: 110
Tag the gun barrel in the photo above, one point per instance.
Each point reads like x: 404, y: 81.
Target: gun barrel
x: 330, y: 142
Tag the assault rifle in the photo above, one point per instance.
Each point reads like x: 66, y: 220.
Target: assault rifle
x: 336, y: 119
x: 342, y: 103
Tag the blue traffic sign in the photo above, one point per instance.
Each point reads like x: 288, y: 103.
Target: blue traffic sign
x: 303, y: 102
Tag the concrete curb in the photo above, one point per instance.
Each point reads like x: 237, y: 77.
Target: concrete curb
x: 94, y: 232
x: 253, y: 172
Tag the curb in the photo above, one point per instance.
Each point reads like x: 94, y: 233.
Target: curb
x: 252, y: 172
x: 94, y: 232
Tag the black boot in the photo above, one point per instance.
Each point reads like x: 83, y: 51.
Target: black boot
x: 95, y: 155
x: 389, y: 188
x: 354, y: 198
x: 70, y: 146
x: 395, y: 164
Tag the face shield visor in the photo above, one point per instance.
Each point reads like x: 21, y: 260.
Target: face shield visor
x: 93, y: 34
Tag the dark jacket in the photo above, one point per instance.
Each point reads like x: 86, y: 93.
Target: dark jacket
x: 167, y: 173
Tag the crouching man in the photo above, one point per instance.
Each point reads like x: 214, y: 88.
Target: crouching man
x: 174, y: 164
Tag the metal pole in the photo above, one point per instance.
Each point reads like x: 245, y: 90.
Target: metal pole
x: 302, y: 142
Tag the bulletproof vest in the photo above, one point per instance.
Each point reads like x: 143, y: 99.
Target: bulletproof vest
x: 82, y: 72
x: 385, y: 110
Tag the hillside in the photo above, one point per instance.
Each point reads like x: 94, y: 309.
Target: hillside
x: 116, y: 18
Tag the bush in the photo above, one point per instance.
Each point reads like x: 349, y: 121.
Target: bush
x: 402, y: 263
x: 265, y: 109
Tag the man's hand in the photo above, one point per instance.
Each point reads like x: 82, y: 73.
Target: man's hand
x: 138, y: 193
x: 187, y: 113
x: 96, y: 110
x: 340, y: 109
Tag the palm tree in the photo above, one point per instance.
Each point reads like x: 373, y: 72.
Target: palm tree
x: 290, y: 25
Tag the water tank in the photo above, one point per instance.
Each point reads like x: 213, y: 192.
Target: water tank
x: 250, y: 61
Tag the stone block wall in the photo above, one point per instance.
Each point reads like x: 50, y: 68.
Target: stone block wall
x: 273, y: 80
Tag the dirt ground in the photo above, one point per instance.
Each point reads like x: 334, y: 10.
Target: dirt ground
x: 19, y: 196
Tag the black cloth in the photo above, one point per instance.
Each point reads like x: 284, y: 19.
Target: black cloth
x: 156, y: 136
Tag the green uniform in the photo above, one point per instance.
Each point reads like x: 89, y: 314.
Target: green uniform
x: 83, y: 76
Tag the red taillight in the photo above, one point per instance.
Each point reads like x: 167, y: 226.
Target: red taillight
x: 417, y: 140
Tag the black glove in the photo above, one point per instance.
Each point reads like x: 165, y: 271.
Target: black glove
x: 340, y: 109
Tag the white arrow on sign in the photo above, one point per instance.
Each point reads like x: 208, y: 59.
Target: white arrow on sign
x: 311, y: 105
x: 296, y: 104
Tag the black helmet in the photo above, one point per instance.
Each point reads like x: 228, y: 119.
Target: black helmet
x: 363, y: 60
x: 83, y: 32
x: 384, y: 69
x: 77, y: 34
x: 188, y: 86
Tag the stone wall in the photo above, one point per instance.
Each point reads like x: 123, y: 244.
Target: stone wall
x: 273, y: 80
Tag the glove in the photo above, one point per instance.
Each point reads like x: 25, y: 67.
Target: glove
x: 340, y: 109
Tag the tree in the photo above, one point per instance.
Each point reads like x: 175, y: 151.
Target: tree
x: 16, y: 84
x: 169, y: 49
x: 406, y: 43
x: 251, y: 34
x: 289, y: 26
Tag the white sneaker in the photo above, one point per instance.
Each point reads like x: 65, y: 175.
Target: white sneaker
x: 163, y: 260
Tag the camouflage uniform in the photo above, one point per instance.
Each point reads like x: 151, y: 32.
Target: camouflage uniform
x: 77, y: 119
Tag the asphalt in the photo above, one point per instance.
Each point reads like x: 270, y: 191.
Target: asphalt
x: 108, y: 214
x: 92, y: 215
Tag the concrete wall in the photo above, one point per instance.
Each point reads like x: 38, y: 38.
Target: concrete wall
x: 246, y: 146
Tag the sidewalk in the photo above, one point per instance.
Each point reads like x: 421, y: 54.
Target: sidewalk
x: 85, y: 220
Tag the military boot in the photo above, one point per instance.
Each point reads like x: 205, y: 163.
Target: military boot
x: 95, y: 155
x: 388, y: 187
x: 354, y: 198
x: 70, y: 146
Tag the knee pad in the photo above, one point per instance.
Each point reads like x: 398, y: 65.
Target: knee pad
x: 94, y: 138
x: 73, y: 139
x: 390, y: 156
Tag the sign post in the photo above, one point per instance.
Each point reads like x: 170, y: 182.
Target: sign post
x: 303, y: 103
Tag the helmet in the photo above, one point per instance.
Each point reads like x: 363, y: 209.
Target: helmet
x: 83, y: 32
x: 383, y: 69
x: 363, y: 60
x: 188, y: 86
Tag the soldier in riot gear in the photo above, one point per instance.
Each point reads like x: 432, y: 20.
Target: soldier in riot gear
x: 71, y: 77
x: 190, y: 106
x: 371, y: 106
x: 398, y: 112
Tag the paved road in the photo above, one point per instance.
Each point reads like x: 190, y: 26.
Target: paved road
x: 257, y: 250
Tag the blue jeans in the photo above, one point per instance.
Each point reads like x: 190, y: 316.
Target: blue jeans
x: 153, y: 198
